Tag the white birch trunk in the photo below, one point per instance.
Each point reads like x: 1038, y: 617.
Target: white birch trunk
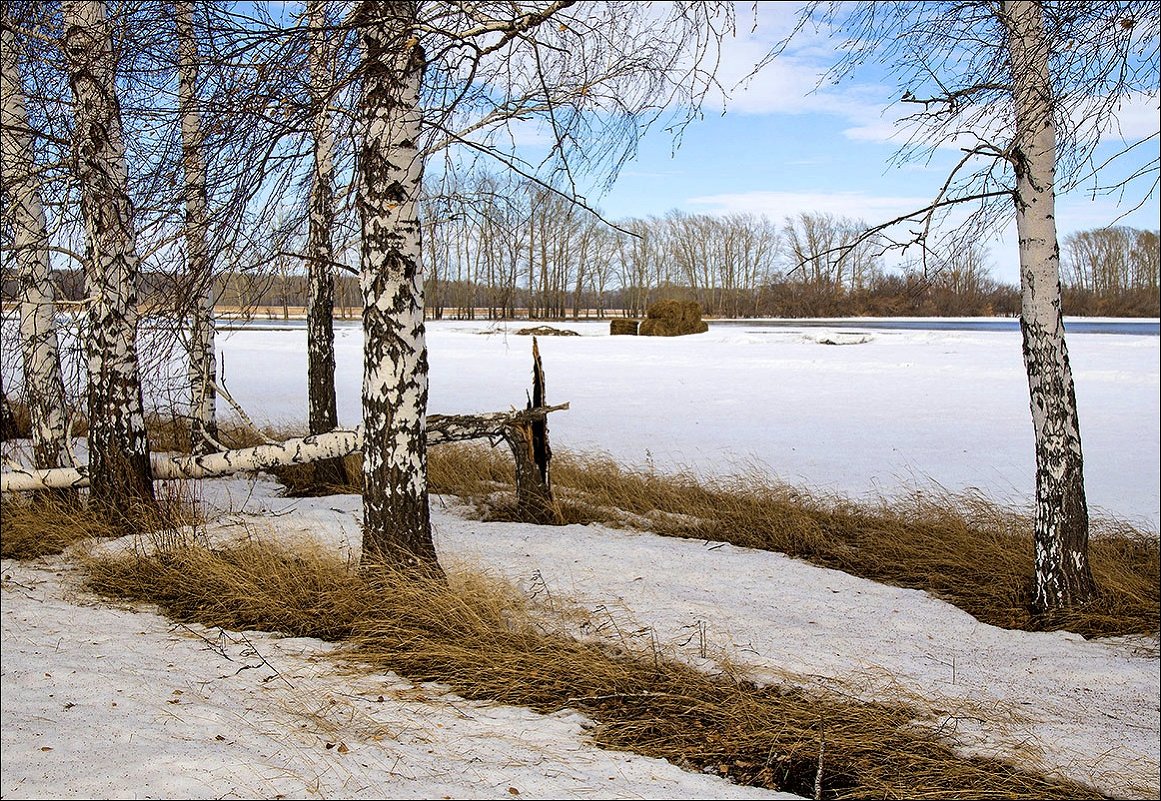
x: 300, y: 450
x: 335, y: 444
x: 320, y: 311
x: 43, y: 382
x: 396, y: 522
x: 199, y: 266
x: 118, y: 445
x: 1062, y: 574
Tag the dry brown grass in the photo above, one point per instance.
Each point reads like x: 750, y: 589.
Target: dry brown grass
x: 963, y: 548
x: 46, y: 523
x: 488, y: 642
x: 171, y: 433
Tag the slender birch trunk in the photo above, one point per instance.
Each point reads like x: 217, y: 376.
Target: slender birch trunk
x: 43, y: 382
x: 1063, y: 577
x: 396, y: 522
x: 320, y: 310
x: 118, y: 445
x: 199, y: 266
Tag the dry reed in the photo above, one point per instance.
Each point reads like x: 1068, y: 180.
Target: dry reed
x: 962, y: 548
x: 46, y: 523
x: 486, y: 641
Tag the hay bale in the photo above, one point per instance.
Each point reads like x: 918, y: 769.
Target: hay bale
x: 622, y: 327
x: 673, y: 318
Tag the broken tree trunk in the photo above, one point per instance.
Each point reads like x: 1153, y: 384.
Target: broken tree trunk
x: 528, y: 440
x: 300, y: 450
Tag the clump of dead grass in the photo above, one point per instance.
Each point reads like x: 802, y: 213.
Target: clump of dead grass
x: 487, y: 641
x: 962, y: 548
x: 46, y: 523
x: 171, y: 433
x: 471, y: 471
x: 246, y: 586
x: 304, y: 481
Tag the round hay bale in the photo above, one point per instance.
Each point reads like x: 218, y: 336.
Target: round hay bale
x: 673, y: 318
x: 623, y: 327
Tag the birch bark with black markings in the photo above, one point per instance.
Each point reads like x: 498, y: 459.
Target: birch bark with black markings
x: 44, y: 388
x: 1063, y: 577
x: 118, y: 445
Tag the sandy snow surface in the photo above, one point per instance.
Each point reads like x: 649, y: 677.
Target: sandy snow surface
x: 100, y: 700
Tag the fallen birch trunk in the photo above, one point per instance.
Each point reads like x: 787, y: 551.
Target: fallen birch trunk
x: 300, y: 450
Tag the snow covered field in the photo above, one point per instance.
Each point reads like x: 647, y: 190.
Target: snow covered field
x: 109, y: 701
x: 882, y: 411
x: 112, y: 702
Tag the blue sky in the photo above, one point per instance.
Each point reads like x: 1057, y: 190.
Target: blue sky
x: 780, y: 148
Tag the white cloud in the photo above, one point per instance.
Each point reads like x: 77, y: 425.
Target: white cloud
x: 791, y: 83
x: 1139, y: 117
x: 1078, y: 211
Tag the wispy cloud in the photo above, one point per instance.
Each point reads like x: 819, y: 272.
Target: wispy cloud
x: 792, y: 83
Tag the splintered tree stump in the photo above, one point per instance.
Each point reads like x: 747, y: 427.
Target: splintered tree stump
x: 528, y: 440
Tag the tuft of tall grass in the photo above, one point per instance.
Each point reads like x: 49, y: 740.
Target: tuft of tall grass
x: 487, y: 641
x: 46, y: 523
x: 962, y: 548
x: 249, y: 586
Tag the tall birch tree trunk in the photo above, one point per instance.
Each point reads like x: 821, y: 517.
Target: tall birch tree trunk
x: 320, y: 310
x: 1062, y: 574
x: 121, y: 478
x: 396, y: 522
x: 43, y: 382
x: 199, y: 266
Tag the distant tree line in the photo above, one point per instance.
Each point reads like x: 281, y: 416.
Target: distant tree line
x: 1111, y: 272
x: 534, y: 255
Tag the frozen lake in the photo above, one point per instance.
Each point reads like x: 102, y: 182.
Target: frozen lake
x: 881, y: 410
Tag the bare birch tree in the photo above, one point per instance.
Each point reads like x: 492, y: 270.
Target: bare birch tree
x: 199, y: 265
x: 43, y: 381
x: 1063, y: 576
x: 396, y: 522
x: 457, y: 76
x: 320, y: 255
x: 118, y: 445
x: 1028, y: 89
